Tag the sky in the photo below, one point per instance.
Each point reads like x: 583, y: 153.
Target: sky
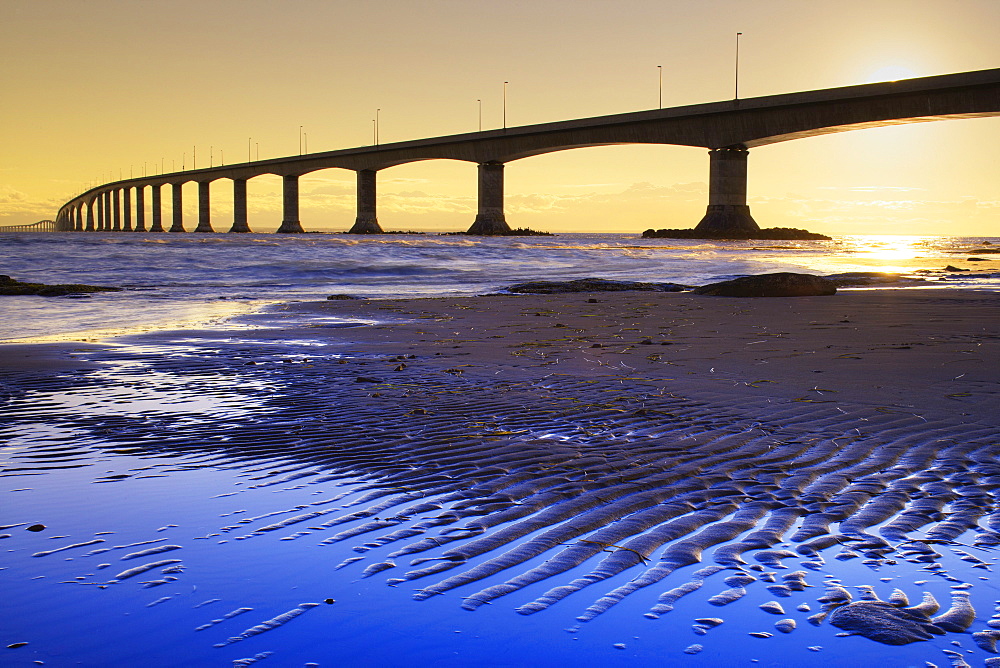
x: 97, y: 90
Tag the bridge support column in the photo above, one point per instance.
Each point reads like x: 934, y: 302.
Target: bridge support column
x: 140, y: 208
x: 90, y: 216
x: 367, y: 221
x: 290, y: 197
x: 178, y: 212
x: 78, y: 217
x: 106, y: 213
x: 127, y: 209
x: 490, y: 219
x: 156, y: 210
x: 204, y: 208
x: 116, y: 203
x: 727, y: 212
x: 240, y: 206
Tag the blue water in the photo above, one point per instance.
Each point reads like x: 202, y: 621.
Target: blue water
x: 188, y: 279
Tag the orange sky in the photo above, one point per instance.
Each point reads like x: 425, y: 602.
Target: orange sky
x: 93, y: 90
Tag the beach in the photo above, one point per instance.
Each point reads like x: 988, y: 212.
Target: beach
x: 660, y: 474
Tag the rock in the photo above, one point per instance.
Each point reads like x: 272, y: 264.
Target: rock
x: 953, y: 268
x: 591, y: 285
x: 783, y: 284
x: 768, y: 234
x: 884, y: 622
x: 9, y: 286
x: 342, y: 297
x: 693, y: 649
x: 860, y: 278
x: 785, y: 625
x: 772, y: 607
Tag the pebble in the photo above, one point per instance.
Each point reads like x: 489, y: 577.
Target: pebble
x: 761, y: 634
x: 693, y: 649
x: 772, y: 607
x: 619, y: 645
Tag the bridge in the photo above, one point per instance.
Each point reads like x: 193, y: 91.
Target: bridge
x: 729, y: 129
x: 40, y: 226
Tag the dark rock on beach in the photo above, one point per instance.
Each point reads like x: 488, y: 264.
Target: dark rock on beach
x: 8, y: 286
x: 769, y: 234
x: 783, y: 284
x: 592, y: 285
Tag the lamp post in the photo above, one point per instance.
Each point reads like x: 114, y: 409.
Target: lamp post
x: 222, y: 158
x: 480, y: 115
x: 194, y: 157
x: 376, y: 125
x: 505, y: 104
x: 736, y: 92
x: 374, y: 134
x: 249, y: 145
x: 300, y: 140
x: 211, y: 155
x: 660, y: 70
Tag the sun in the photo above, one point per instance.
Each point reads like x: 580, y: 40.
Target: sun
x: 891, y: 73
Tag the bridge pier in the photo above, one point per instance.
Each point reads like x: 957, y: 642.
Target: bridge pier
x: 490, y: 218
x: 90, y: 216
x: 204, y: 208
x: 727, y: 211
x: 367, y: 221
x: 177, y: 211
x: 290, y: 205
x: 127, y: 209
x: 240, y: 206
x: 140, y: 208
x: 106, y: 212
x: 116, y: 203
x: 156, y: 210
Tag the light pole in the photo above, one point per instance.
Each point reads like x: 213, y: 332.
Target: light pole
x: 660, y: 69
x: 376, y: 126
x: 222, y: 158
x: 194, y: 157
x: 211, y: 155
x: 480, y: 115
x: 736, y: 92
x: 249, y: 145
x: 184, y: 157
x: 300, y: 140
x: 505, y: 104
x: 374, y: 133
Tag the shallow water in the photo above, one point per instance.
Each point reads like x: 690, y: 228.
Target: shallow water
x: 187, y: 279
x: 184, y: 443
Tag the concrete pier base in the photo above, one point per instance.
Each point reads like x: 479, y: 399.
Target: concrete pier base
x: 90, y: 216
x: 290, y: 205
x: 127, y: 209
x: 367, y: 221
x: 177, y: 208
x: 490, y: 219
x: 727, y: 211
x: 156, y: 209
x: 240, y: 206
x: 204, y: 208
x: 140, y: 209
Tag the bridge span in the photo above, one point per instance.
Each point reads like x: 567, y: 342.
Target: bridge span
x: 729, y: 129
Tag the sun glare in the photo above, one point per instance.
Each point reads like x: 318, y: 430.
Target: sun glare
x: 891, y: 73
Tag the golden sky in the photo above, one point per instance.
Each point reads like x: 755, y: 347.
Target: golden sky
x: 97, y: 89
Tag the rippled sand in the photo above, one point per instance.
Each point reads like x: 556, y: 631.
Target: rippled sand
x: 568, y: 454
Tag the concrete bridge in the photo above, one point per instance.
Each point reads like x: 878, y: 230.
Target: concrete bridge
x: 728, y: 129
x: 40, y: 226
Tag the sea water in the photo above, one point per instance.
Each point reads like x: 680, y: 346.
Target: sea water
x: 186, y: 279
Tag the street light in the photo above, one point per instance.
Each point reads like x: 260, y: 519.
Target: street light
x: 660, y: 68
x: 249, y: 145
x: 736, y: 92
x: 505, y: 104
x: 374, y: 133
x: 194, y: 157
x: 376, y: 126
x: 222, y: 158
x: 480, y: 115
x: 300, y: 140
x: 211, y: 155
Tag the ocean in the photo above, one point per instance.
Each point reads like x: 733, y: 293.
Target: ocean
x: 177, y: 280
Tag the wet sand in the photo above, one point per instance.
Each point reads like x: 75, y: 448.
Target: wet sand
x: 585, y: 447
